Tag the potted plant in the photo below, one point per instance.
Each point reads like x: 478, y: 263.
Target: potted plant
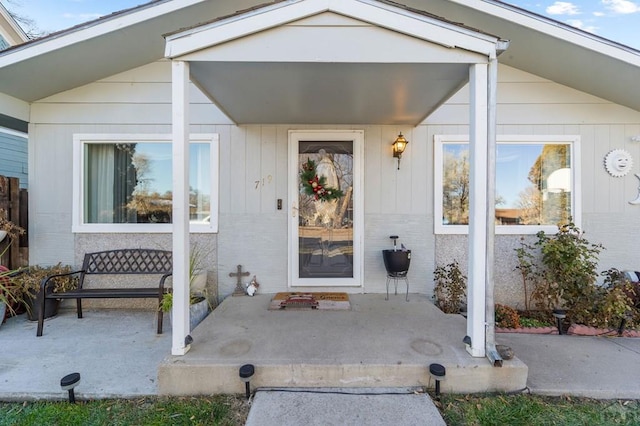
x: 9, y: 230
x: 199, y: 303
x: 10, y: 297
x: 28, y: 280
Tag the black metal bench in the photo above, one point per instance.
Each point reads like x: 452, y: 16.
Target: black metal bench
x: 112, y: 262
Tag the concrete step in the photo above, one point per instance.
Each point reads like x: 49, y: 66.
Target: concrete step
x: 377, y: 343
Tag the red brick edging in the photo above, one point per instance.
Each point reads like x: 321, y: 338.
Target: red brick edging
x: 528, y: 330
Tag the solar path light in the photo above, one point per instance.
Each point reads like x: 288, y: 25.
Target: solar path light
x: 68, y: 383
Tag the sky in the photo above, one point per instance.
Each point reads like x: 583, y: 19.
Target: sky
x: 617, y: 20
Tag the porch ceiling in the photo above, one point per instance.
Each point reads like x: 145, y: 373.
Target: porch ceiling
x: 337, y: 93
x: 330, y: 63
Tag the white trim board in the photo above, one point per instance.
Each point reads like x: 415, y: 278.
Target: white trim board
x: 576, y: 196
x: 78, y: 225
x: 357, y: 136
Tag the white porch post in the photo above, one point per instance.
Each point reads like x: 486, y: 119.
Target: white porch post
x: 478, y: 218
x: 180, y: 128
x: 490, y: 312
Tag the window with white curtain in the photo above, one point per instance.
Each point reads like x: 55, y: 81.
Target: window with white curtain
x: 123, y: 183
x: 536, y: 183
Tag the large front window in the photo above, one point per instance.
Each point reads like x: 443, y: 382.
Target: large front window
x: 535, y: 183
x: 124, y: 183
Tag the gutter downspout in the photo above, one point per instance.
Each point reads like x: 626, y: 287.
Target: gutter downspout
x: 492, y: 81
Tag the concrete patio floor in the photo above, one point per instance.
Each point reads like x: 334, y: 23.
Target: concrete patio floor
x: 118, y: 353
x: 377, y: 343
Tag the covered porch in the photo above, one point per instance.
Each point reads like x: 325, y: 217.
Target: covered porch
x: 377, y: 343
x: 351, y: 63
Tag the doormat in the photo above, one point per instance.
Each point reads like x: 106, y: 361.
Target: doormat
x: 310, y: 301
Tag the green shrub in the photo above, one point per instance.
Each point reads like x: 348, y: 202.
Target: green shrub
x: 569, y: 271
x: 562, y: 269
x: 506, y: 317
x: 451, y: 288
x: 529, y: 270
x: 615, y: 301
x: 534, y: 322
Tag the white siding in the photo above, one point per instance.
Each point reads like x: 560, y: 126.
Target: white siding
x: 253, y: 174
x: 529, y: 105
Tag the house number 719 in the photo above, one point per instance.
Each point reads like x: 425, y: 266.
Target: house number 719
x: 268, y: 179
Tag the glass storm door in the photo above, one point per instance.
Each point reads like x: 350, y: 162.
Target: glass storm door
x: 325, y: 247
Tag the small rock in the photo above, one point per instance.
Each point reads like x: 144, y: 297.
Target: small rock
x: 505, y: 352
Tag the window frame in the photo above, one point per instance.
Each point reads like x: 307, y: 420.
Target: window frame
x: 4, y: 43
x: 79, y: 143
x: 576, y: 197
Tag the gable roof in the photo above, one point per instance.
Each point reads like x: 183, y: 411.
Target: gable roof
x: 553, y: 50
x: 10, y: 31
x: 104, y: 47
x: 321, y: 61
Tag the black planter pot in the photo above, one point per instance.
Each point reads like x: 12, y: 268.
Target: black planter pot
x: 396, y: 261
x: 51, y: 307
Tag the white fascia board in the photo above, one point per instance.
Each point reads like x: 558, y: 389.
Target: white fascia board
x: 413, y: 24
x: 19, y: 32
x: 92, y: 30
x: 238, y: 26
x: 383, y: 15
x: 554, y: 29
x: 14, y: 107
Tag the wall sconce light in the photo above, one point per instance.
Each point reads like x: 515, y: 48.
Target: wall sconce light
x: 398, y: 147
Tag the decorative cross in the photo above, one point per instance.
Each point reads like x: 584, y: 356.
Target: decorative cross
x: 239, y: 291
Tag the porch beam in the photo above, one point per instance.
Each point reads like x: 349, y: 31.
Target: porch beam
x: 270, y: 16
x: 478, y: 199
x: 180, y: 151
x: 15, y: 108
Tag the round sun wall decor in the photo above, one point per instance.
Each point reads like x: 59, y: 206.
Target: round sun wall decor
x: 618, y: 162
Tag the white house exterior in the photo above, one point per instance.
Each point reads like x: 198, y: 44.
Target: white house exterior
x: 253, y: 85
x: 10, y: 32
x: 13, y: 141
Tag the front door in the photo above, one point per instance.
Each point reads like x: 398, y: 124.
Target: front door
x: 325, y: 175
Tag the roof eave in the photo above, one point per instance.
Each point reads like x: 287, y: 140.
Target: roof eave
x: 13, y: 24
x: 96, y: 28
x: 270, y: 15
x: 555, y: 29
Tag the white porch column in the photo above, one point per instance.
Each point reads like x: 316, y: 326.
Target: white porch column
x: 490, y: 311
x: 478, y: 220
x: 180, y: 128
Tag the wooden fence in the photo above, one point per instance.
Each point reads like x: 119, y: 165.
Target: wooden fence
x: 14, y: 206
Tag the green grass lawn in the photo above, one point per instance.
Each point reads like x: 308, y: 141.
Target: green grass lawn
x: 231, y: 410
x: 223, y: 410
x: 533, y: 410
